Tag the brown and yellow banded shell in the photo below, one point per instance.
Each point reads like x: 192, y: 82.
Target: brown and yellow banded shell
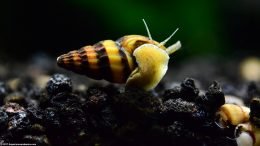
x: 109, y: 60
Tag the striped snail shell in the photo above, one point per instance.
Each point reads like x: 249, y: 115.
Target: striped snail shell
x: 109, y: 60
x: 120, y: 62
x: 104, y: 60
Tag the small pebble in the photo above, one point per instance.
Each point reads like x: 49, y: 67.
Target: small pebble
x: 12, y: 108
x: 59, y: 83
x: 3, y: 92
x: 41, y: 140
x: 234, y: 100
x: 189, y: 90
x: 250, y: 69
x: 15, y: 97
x: 3, y: 120
x: 18, y: 122
x: 255, y: 110
x: 214, y: 97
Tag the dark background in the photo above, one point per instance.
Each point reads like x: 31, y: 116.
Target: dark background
x: 229, y: 29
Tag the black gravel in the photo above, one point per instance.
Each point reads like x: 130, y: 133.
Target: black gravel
x: 61, y: 113
x: 59, y: 83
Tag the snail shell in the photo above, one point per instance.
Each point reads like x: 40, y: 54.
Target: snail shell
x: 233, y: 114
x: 109, y: 60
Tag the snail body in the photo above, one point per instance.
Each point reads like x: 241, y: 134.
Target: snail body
x: 136, y: 60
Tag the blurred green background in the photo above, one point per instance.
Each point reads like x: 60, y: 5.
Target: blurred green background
x: 220, y: 28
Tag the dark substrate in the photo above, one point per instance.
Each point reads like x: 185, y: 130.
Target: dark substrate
x: 60, y: 113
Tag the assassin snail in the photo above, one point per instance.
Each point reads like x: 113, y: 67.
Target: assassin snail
x: 136, y: 60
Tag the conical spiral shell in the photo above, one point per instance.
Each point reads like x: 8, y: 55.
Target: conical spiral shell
x: 104, y: 60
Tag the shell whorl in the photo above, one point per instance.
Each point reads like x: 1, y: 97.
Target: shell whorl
x: 104, y: 60
x: 131, y: 42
